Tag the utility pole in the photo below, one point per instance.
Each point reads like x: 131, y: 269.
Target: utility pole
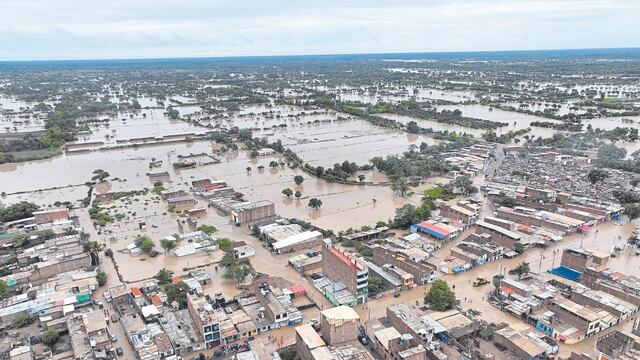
x: 540, y: 264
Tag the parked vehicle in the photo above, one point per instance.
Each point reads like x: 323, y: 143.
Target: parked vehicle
x: 480, y: 281
x: 119, y: 351
x: 114, y: 338
x: 114, y: 318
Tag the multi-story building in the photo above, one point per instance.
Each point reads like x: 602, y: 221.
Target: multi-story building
x: 339, y: 325
x: 205, y: 319
x: 579, y: 259
x: 499, y: 235
x: 260, y: 212
x: 599, y: 299
x: 410, y: 320
x: 588, y: 321
x: 422, y: 272
x: 343, y: 268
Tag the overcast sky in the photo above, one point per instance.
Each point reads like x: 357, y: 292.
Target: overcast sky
x: 92, y: 29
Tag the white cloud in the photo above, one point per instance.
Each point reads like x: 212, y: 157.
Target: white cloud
x: 54, y: 29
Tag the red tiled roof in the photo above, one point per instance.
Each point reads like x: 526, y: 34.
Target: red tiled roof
x: 176, y: 279
x: 297, y: 289
x: 155, y: 300
x: 136, y: 292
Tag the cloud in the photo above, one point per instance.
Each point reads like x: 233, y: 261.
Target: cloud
x: 63, y: 29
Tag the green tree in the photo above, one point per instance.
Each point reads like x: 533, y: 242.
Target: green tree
x: 168, y: 245
x: 519, y: 248
x: 101, y: 276
x: 315, y: 203
x: 49, y: 337
x: 145, y: 244
x: 208, y: 229
x: 597, y: 175
x: 237, y: 271
x: 224, y: 244
x: 521, y: 270
x: 248, y: 168
x: 4, y: 290
x: 298, y: 179
x: 460, y: 185
x: 298, y: 194
x: 273, y: 164
x: 254, y: 154
x: 610, y: 152
x: 287, y: 192
x: 361, y: 178
x: 17, y: 211
x: 164, y: 276
x: 22, y: 320
x: 405, y: 216
x: 375, y: 284
x: 108, y: 253
x: 440, y: 297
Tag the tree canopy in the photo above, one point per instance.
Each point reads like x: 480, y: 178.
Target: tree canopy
x: 440, y: 297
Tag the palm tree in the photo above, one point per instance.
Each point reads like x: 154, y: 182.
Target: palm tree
x: 400, y: 187
x: 93, y: 248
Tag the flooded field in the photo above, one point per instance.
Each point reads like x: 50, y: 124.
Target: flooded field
x: 142, y: 123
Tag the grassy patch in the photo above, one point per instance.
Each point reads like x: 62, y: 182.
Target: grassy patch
x: 438, y: 193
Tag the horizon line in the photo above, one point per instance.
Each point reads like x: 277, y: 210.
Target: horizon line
x: 311, y: 55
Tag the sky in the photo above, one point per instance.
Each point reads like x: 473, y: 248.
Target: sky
x: 122, y: 29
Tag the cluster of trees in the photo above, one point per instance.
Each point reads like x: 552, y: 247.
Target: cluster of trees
x: 563, y: 126
x: 415, y: 109
x: 613, y: 157
x: 631, y: 202
x: 410, y: 214
x: 17, y: 211
x: 491, y: 136
x: 338, y: 173
x: 288, y: 193
x: 175, y: 292
x: 461, y: 185
x: 207, y: 229
x: 410, y: 165
x: 98, y: 216
x: 61, y: 124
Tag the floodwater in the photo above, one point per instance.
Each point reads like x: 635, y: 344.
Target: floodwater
x: 364, y: 204
x: 143, y: 123
x: 514, y: 125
